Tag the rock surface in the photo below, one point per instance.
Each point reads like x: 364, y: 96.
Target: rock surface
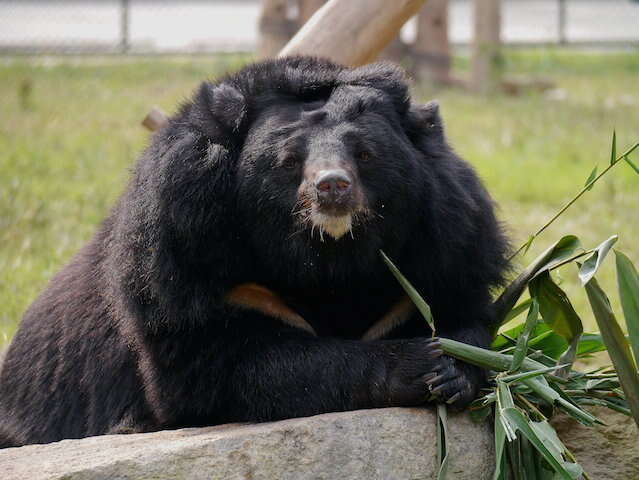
x: 393, y: 443
x: 609, y: 452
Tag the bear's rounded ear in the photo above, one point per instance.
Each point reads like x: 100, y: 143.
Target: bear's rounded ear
x: 427, y: 114
x: 219, y: 107
x: 383, y: 76
x: 424, y: 121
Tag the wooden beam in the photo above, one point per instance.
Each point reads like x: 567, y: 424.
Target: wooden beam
x: 307, y: 9
x: 351, y: 32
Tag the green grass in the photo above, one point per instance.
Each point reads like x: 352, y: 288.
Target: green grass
x: 65, y: 153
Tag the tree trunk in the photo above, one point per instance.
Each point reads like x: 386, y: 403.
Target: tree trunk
x: 274, y: 27
x: 352, y: 32
x: 431, y: 49
x: 486, y: 46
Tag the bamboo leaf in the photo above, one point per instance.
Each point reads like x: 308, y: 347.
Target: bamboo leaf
x: 548, y: 436
x: 528, y: 455
x: 561, y: 250
x: 528, y: 244
x: 551, y: 396
x: 414, y: 295
x: 520, y: 423
x: 442, y: 441
x: 543, y: 338
x: 515, y: 459
x: 590, y: 343
x: 479, y: 413
x: 518, y: 310
x: 605, y: 403
x: 558, y: 312
x: 628, y: 283
x: 618, y: 348
x: 484, y: 358
x: 549, y: 343
x: 522, y: 340
x: 613, y: 151
x: 593, y: 262
x: 524, y: 375
x: 500, y: 451
x: 630, y: 150
x: 631, y: 163
x: 591, y: 177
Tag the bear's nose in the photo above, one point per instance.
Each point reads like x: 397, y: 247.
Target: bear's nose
x: 333, y: 186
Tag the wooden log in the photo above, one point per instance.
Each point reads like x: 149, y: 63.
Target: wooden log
x: 155, y: 119
x: 431, y: 50
x: 351, y: 32
x: 486, y: 46
x: 307, y: 9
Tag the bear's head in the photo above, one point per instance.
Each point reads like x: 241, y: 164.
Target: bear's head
x: 326, y: 160
x: 295, y: 173
x: 327, y: 169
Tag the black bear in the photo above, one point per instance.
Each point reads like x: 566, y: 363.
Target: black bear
x: 239, y: 277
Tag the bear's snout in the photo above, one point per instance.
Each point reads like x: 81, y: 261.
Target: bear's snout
x: 334, y: 189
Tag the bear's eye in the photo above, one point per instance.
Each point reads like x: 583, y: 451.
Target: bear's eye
x: 289, y: 162
x: 363, y: 156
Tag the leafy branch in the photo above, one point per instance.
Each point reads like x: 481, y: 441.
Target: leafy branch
x: 534, y: 360
x: 592, y: 179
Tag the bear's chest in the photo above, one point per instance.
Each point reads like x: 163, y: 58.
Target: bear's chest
x: 335, y: 315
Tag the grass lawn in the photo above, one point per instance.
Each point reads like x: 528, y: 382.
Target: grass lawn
x: 67, y: 145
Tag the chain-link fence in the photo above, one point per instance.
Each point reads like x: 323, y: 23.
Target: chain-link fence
x: 204, y: 26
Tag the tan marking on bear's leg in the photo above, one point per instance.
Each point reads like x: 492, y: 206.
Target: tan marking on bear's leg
x: 257, y: 297
x: 396, y: 316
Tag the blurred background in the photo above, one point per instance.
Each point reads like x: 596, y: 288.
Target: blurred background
x: 211, y: 26
x: 531, y: 91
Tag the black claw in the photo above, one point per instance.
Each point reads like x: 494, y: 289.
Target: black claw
x: 439, y: 367
x: 454, y: 398
x: 429, y: 376
x: 437, y: 389
x: 434, y: 379
x: 434, y: 354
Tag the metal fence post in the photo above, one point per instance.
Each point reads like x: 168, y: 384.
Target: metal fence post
x: 124, y: 26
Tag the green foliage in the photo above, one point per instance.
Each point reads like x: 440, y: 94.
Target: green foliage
x: 526, y: 383
x: 522, y: 340
x: 628, y: 282
x: 419, y: 302
x: 617, y: 345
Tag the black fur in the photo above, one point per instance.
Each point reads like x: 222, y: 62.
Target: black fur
x: 134, y: 333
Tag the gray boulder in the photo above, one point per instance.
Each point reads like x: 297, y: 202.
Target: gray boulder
x: 393, y: 443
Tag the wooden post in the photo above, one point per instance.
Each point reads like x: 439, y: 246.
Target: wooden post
x: 124, y: 25
x: 274, y: 27
x: 396, y: 50
x: 486, y: 46
x: 561, y: 22
x: 431, y: 49
x: 352, y: 32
